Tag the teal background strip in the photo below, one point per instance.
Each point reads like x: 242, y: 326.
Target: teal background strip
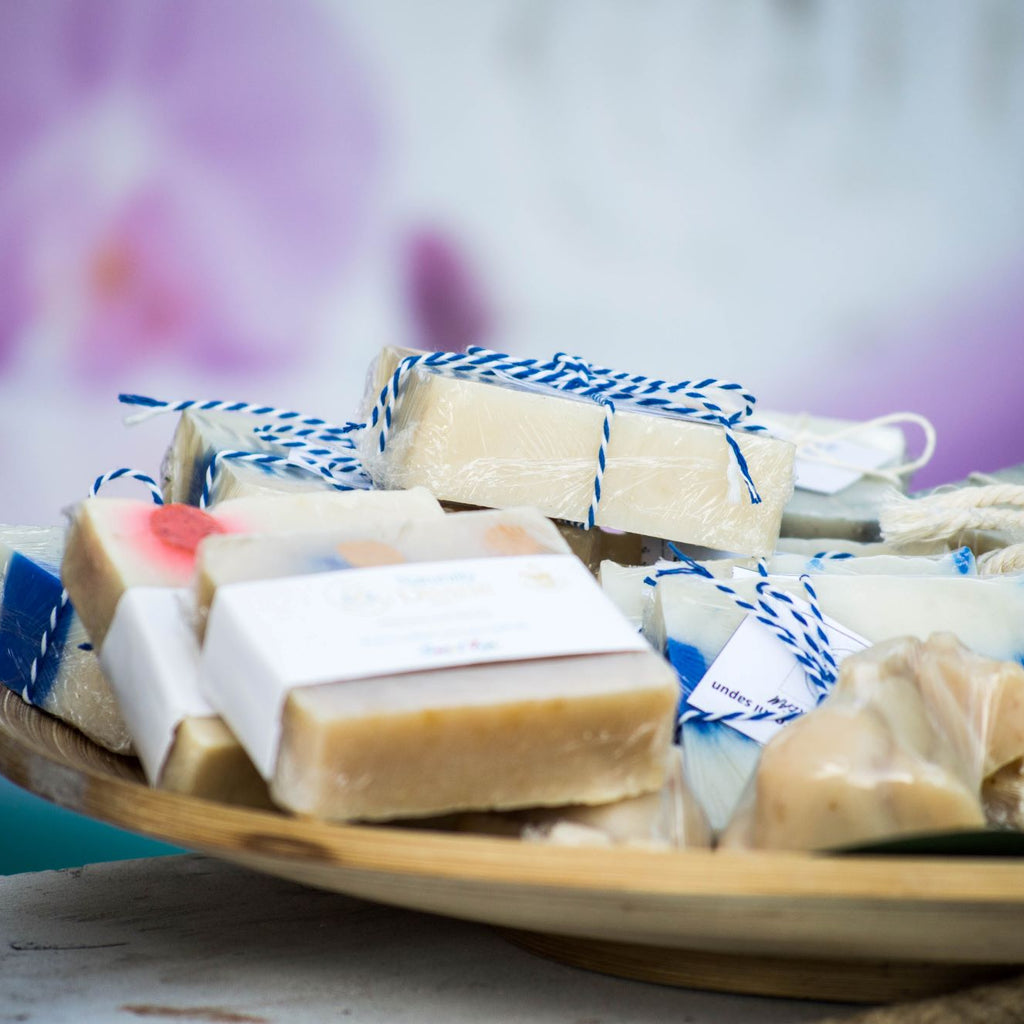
x: 36, y: 836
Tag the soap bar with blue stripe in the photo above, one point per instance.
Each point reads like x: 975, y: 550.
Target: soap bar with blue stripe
x: 65, y: 678
x: 691, y: 621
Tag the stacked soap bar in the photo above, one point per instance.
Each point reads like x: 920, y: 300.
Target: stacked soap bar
x: 368, y: 692
x: 901, y: 746
x: 117, y: 543
x: 151, y: 656
x: 197, y: 440
x: 61, y: 675
x: 498, y: 446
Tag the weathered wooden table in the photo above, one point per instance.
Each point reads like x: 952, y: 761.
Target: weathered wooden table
x: 188, y: 938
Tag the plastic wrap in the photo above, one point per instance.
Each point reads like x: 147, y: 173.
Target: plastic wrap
x: 669, y: 819
x: 68, y: 682
x: 199, y: 436
x: 545, y: 726
x: 117, y: 543
x: 498, y: 446
x: 852, y: 512
x: 901, y: 746
x: 951, y: 563
x: 691, y: 620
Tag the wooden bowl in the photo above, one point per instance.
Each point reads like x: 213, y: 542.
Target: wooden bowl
x: 852, y: 928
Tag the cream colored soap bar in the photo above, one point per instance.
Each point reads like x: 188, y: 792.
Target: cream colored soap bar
x: 496, y: 446
x: 226, y: 558
x: 881, y: 757
x: 669, y: 819
x: 339, y: 740
x: 151, y: 657
x: 117, y: 543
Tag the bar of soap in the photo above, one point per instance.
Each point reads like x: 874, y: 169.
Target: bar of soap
x: 226, y: 558
x: 669, y: 819
x: 151, y: 656
x: 353, y: 740
x: 853, y: 511
x: 117, y: 543
x: 200, y: 435
x: 878, y: 759
x: 495, y: 446
x: 68, y: 683
x: 690, y: 620
x: 960, y: 562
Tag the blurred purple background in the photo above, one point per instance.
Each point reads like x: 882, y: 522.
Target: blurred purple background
x: 245, y: 199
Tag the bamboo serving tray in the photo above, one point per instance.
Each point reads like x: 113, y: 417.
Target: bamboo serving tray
x: 850, y: 928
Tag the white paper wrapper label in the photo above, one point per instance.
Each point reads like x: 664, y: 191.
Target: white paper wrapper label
x: 267, y: 637
x: 151, y: 658
x: 756, y: 672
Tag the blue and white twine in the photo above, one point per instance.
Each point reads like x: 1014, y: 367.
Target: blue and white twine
x: 804, y: 634
x: 308, y: 443
x: 57, y: 611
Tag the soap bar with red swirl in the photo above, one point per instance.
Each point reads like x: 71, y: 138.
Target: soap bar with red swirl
x: 117, y: 543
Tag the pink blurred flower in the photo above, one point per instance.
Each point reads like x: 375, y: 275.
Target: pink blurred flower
x: 179, y: 179
x: 445, y: 299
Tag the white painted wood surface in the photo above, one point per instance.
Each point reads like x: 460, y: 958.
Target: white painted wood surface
x: 189, y: 939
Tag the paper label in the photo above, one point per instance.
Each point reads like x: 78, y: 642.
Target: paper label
x: 811, y: 474
x: 358, y: 623
x: 756, y: 672
x: 151, y: 657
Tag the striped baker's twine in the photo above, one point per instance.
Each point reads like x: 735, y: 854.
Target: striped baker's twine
x: 309, y: 465
x: 700, y: 400
x: 46, y: 641
x: 805, y: 635
x: 159, y: 406
x: 304, y: 442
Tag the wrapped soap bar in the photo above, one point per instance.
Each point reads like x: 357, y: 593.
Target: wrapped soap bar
x: 901, y: 745
x: 151, y: 656
x: 198, y: 438
x: 484, y: 443
x: 691, y: 620
x: 117, y: 543
x: 62, y: 676
x: 898, y: 748
x: 669, y: 819
x: 852, y: 510
x: 960, y: 562
x: 422, y: 687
